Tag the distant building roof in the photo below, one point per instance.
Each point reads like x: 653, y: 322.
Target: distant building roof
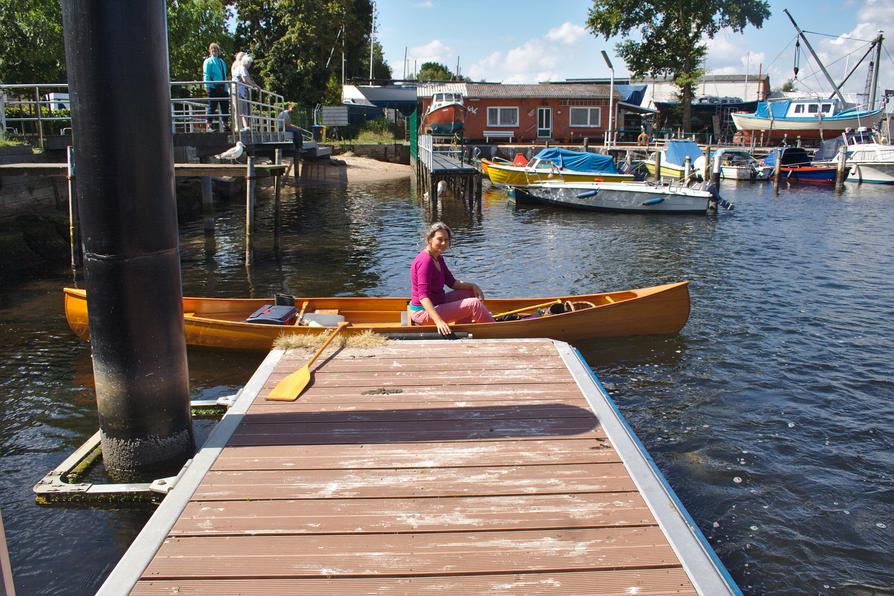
x: 509, y: 91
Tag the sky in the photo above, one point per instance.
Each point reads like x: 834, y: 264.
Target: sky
x: 528, y: 41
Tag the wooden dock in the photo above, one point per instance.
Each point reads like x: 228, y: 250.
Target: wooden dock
x: 422, y: 467
x: 442, y: 163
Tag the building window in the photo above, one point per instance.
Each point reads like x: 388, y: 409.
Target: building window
x: 502, y: 117
x: 585, y: 117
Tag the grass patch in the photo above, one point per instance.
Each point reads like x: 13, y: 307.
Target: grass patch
x: 366, y: 339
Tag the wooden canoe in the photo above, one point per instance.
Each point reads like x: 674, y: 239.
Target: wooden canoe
x: 219, y: 322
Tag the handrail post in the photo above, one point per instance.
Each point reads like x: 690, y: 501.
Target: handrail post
x: 39, y: 121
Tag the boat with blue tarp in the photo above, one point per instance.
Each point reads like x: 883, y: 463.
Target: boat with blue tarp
x: 554, y: 163
x: 673, y: 159
x: 795, y: 164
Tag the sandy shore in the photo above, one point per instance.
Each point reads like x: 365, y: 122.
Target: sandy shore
x: 351, y: 169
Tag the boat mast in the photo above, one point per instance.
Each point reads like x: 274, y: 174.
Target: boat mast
x: 878, y: 59
x: 815, y: 57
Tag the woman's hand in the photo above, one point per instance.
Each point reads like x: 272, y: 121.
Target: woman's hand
x: 443, y: 327
x: 476, y: 291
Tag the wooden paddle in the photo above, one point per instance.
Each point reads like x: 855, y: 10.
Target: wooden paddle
x: 291, y: 387
x: 532, y: 307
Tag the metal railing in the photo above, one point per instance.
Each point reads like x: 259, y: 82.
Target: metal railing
x: 33, y: 112
x: 428, y: 149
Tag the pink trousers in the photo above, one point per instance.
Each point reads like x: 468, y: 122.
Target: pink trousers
x: 461, y: 307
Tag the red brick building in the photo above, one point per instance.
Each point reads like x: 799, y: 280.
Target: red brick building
x: 555, y: 112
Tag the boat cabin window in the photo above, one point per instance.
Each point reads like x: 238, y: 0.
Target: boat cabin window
x: 812, y: 108
x: 799, y: 108
x: 827, y: 108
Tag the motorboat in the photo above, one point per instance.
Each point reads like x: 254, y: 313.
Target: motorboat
x: 868, y: 158
x: 673, y: 159
x: 555, y: 163
x: 629, y: 197
x: 445, y: 116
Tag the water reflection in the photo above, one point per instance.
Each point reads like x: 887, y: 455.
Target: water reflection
x: 770, y: 413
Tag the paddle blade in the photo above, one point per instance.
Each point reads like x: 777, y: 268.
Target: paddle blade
x: 291, y: 387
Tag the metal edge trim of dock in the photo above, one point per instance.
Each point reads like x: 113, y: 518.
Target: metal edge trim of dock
x: 705, y: 569
x: 141, y: 552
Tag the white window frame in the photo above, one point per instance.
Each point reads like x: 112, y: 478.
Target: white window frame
x: 589, y: 123
x: 491, y: 124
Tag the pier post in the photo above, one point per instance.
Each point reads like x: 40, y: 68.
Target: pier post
x: 687, y: 169
x: 776, y: 171
x: 73, y: 241
x: 840, y: 171
x: 207, y: 204
x: 277, y: 188
x: 706, y: 171
x: 117, y: 60
x: 249, y: 206
x: 658, y: 165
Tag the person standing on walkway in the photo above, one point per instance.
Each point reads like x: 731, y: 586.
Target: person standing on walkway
x: 214, y: 72
x: 243, y: 82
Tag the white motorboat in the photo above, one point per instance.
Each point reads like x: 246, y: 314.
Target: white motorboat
x: 626, y: 197
x: 869, y: 159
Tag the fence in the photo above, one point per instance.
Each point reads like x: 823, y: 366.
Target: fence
x: 33, y: 112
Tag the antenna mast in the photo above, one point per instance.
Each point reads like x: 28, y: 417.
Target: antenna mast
x: 815, y: 57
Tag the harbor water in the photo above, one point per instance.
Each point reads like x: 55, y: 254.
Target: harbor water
x: 770, y: 414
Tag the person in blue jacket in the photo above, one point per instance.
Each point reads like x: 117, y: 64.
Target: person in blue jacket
x: 214, y: 72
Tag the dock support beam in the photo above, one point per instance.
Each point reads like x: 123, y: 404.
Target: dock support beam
x: 249, y: 206
x: 117, y: 59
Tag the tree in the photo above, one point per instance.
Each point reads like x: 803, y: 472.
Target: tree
x: 297, y: 44
x: 434, y: 71
x: 31, y: 47
x: 192, y: 26
x: 788, y: 86
x: 672, y: 35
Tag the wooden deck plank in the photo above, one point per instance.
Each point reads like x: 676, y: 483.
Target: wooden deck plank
x: 484, y: 364
x: 420, y: 413
x: 416, y: 455
x: 412, y: 554
x: 642, y: 582
x: 445, y: 514
x: 253, y: 432
x: 433, y: 393
x: 414, y: 482
x: 414, y: 408
x: 324, y: 378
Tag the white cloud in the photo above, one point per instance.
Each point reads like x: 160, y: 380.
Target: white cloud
x: 433, y: 51
x: 537, y: 59
x: 567, y: 33
x: 426, y: 4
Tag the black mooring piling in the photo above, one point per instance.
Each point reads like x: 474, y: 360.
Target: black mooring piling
x: 117, y: 58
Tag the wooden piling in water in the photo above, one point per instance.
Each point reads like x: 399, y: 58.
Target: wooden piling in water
x: 840, y: 170
x: 776, y: 171
x: 73, y: 243
x: 249, y: 206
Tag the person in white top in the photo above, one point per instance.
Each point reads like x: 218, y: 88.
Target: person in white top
x: 243, y: 82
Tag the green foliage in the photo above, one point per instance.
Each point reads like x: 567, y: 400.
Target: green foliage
x: 434, y: 71
x: 788, y: 86
x: 31, y: 47
x: 297, y: 45
x: 671, y: 34
x: 192, y: 26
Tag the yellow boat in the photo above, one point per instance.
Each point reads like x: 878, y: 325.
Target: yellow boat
x: 509, y: 175
x: 554, y: 163
x: 220, y: 322
x: 673, y: 158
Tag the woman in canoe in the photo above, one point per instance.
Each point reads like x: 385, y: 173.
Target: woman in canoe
x: 428, y: 276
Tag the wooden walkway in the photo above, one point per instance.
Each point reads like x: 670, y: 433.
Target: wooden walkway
x: 181, y: 170
x: 466, y: 467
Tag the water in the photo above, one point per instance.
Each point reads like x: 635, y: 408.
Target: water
x: 770, y: 414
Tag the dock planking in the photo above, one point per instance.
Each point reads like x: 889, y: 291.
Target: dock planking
x: 452, y: 467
